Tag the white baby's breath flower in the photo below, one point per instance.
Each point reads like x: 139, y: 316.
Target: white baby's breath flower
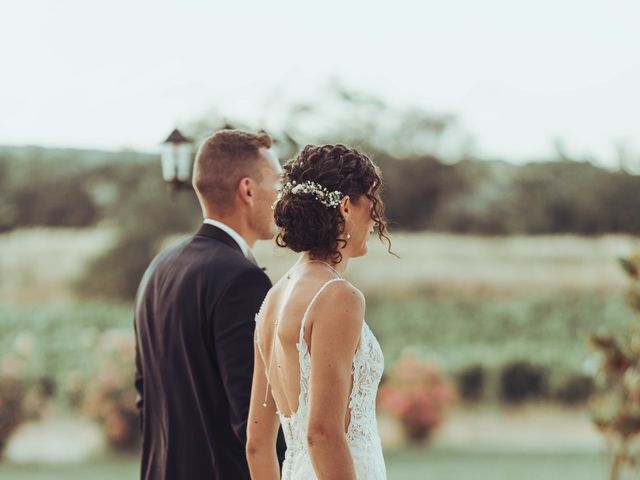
x: 320, y: 193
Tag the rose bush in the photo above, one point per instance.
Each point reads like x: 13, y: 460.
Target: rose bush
x: 106, y: 393
x: 417, y: 394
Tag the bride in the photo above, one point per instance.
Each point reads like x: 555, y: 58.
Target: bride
x: 317, y: 364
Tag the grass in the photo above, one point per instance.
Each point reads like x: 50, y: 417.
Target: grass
x: 117, y: 468
x: 407, y: 464
x: 413, y: 464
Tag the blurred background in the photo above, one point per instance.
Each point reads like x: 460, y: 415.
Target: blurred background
x: 508, y: 138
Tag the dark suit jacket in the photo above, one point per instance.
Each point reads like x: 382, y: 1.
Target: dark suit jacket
x: 194, y: 321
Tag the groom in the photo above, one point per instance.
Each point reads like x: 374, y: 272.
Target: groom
x: 195, y: 319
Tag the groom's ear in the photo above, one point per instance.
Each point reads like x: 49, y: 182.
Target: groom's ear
x: 245, y: 190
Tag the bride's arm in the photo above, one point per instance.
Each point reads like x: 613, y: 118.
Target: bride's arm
x: 262, y: 427
x: 335, y: 332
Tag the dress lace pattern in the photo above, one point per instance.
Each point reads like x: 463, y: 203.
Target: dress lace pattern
x: 362, y: 434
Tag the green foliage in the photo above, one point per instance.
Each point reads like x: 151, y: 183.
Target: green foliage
x: 117, y: 272
x: 521, y: 381
x: 568, y: 196
x: 471, y: 382
x: 67, y: 188
x: 416, y: 189
x: 574, y: 390
x: 33, y: 193
x: 146, y: 215
x: 48, y: 202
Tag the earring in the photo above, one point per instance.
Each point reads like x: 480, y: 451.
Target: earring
x: 348, y: 236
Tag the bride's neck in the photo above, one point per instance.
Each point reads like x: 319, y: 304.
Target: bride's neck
x: 340, y: 267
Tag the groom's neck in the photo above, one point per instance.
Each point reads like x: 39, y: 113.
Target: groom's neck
x: 239, y: 225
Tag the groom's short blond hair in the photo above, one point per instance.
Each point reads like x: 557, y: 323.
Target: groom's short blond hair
x: 222, y: 161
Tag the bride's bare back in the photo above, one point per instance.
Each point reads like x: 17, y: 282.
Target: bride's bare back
x: 284, y: 309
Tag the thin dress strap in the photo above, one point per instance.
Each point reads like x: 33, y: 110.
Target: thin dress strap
x: 313, y: 300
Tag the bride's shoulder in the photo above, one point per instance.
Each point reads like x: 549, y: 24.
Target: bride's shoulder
x: 346, y: 288
x: 342, y: 295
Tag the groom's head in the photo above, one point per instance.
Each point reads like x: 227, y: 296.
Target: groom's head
x: 236, y: 177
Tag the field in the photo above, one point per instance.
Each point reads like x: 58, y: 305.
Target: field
x: 462, y: 300
x: 38, y: 264
x: 475, y: 267
x: 459, y: 300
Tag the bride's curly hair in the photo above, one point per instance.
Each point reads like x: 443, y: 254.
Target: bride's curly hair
x: 305, y: 224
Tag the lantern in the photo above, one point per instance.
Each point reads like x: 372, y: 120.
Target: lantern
x: 177, y: 159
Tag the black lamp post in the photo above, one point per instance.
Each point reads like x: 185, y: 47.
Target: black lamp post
x: 177, y: 159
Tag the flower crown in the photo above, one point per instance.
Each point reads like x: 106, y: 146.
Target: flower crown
x: 324, y: 196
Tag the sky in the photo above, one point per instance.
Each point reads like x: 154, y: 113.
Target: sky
x: 518, y: 75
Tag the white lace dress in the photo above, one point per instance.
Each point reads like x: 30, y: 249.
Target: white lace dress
x: 362, y: 434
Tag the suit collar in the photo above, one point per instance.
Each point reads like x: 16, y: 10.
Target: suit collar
x: 239, y: 239
x: 210, y: 231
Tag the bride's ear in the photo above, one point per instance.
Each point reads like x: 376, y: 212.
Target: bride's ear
x: 345, y: 207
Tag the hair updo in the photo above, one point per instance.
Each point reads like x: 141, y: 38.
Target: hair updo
x: 306, y: 224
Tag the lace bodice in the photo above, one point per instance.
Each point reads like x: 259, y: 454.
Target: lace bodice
x: 362, y: 433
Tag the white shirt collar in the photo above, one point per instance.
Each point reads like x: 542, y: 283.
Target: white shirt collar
x: 233, y: 234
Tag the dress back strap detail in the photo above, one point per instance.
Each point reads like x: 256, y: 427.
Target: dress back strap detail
x: 313, y: 301
x: 256, y: 318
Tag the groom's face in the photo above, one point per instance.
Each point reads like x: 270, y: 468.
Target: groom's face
x: 266, y: 192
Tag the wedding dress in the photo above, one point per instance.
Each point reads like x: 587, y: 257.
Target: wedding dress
x: 362, y: 434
